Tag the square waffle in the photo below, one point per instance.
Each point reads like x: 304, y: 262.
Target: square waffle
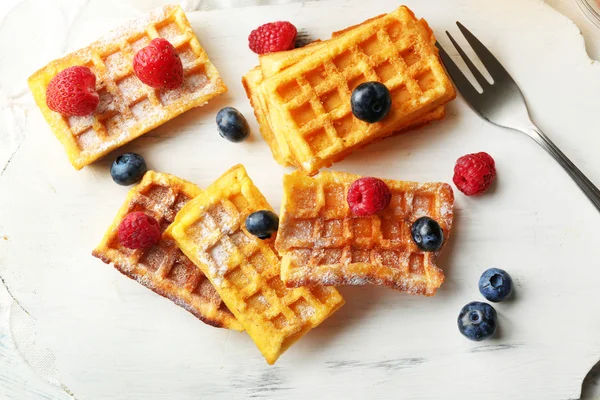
x: 308, y: 102
x: 323, y: 243
x: 127, y: 107
x: 245, y: 270
x: 163, y: 268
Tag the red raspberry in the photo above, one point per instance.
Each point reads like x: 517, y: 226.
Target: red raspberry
x: 272, y: 37
x: 368, y: 196
x: 73, y: 92
x: 158, y: 65
x: 474, y: 173
x: 139, y: 231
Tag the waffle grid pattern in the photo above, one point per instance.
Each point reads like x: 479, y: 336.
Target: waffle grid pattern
x: 315, y: 101
x: 323, y: 243
x: 128, y: 108
x: 279, y: 149
x: 163, y: 268
x: 246, y: 270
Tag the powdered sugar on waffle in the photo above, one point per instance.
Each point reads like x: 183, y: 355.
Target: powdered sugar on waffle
x: 323, y: 243
x: 127, y: 107
x: 306, y: 312
x: 100, y: 146
x: 227, y: 222
x: 332, y: 279
x: 446, y: 213
x: 218, y: 261
x: 135, y: 25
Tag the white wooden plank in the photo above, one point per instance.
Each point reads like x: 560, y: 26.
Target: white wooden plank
x: 114, y: 339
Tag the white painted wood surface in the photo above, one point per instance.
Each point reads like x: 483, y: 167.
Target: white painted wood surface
x: 114, y: 339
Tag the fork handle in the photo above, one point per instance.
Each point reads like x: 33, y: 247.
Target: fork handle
x: 584, y: 183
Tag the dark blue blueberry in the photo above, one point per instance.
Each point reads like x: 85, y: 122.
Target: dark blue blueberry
x: 128, y: 169
x: 371, y: 102
x: 495, y: 285
x: 427, y: 234
x: 262, y: 224
x: 232, y: 125
x: 477, y: 321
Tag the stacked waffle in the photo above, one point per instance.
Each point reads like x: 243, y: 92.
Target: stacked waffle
x: 301, y: 98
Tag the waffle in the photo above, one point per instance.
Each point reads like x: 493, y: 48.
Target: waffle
x: 273, y: 63
x: 245, y: 270
x: 323, y: 243
x: 279, y: 148
x: 127, y: 107
x: 308, y: 102
x: 163, y: 268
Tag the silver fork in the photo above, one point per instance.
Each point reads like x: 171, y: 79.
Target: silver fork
x: 503, y: 104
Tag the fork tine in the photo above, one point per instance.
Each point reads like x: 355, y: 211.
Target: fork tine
x: 476, y: 73
x: 490, y: 62
x: 461, y: 82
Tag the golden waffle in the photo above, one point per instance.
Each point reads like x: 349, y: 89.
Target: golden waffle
x: 127, y: 107
x: 252, y: 81
x: 323, y: 243
x: 245, y: 270
x: 163, y: 268
x: 273, y: 63
x: 308, y: 103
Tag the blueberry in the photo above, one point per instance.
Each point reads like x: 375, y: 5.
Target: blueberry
x: 477, y: 321
x: 128, y: 169
x: 262, y: 224
x: 232, y: 125
x: 495, y: 285
x: 427, y: 234
x: 371, y: 102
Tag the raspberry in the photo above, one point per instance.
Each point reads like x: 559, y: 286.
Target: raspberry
x: 139, y: 231
x: 474, y: 173
x: 368, y: 196
x: 272, y: 37
x: 73, y: 92
x: 158, y: 65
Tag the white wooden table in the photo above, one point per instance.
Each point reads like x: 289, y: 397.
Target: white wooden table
x: 71, y: 327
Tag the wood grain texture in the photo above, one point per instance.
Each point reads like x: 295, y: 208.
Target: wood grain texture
x: 113, y: 339
x: 18, y: 380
